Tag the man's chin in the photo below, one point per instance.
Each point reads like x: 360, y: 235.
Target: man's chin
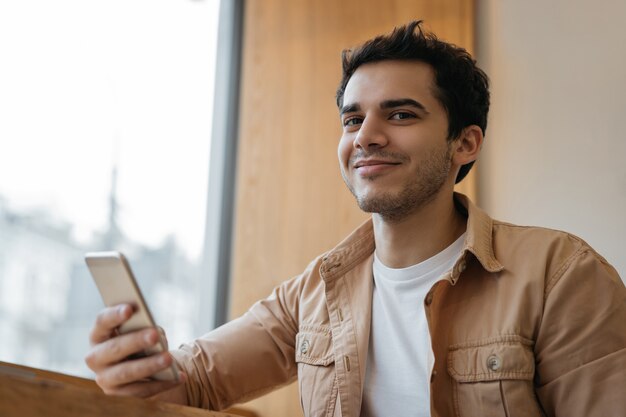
x: 394, y: 206
x: 377, y: 204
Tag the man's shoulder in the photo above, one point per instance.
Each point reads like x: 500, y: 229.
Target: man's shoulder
x: 555, y: 250
x: 537, y: 236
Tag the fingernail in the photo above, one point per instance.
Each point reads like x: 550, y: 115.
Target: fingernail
x: 163, y: 360
x: 122, y: 310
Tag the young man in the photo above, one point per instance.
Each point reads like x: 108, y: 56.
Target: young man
x: 431, y: 308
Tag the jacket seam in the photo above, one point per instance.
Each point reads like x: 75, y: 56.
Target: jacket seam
x: 556, y: 277
x: 312, y: 328
x: 332, y: 403
x: 521, y: 226
x: 455, y: 399
x: 355, y: 341
x: 485, y: 376
x: 507, y: 339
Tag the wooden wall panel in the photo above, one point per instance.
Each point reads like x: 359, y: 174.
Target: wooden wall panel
x: 291, y: 203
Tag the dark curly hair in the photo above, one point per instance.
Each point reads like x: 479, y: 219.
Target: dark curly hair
x: 461, y: 87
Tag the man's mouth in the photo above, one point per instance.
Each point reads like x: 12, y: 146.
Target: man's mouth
x: 368, y: 167
x: 372, y: 162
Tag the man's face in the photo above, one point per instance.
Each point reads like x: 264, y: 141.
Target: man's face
x: 394, y: 154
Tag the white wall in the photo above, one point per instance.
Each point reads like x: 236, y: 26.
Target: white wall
x: 555, y: 150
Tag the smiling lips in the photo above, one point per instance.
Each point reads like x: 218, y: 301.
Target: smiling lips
x: 373, y: 166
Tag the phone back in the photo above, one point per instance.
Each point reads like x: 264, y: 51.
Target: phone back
x: 117, y: 285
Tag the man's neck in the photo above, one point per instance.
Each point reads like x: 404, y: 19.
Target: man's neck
x: 419, y: 236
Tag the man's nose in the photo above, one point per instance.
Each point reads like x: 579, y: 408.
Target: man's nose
x: 371, y: 135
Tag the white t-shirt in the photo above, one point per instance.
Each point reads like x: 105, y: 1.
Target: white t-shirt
x: 400, y: 358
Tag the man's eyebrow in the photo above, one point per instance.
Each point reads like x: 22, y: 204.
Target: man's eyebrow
x: 389, y: 104
x: 349, y: 108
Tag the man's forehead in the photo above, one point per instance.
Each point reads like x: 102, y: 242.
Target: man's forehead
x: 378, y: 82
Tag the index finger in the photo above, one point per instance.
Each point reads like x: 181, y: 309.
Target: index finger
x: 109, y: 319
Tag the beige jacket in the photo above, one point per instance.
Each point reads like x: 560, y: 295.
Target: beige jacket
x: 529, y: 322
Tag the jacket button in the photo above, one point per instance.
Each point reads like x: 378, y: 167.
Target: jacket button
x: 429, y: 299
x: 494, y: 363
x: 304, y: 347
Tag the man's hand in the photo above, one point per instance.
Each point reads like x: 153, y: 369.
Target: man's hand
x: 115, y: 373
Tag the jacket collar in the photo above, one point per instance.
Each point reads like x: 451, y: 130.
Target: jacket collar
x: 359, y: 245
x: 479, y: 237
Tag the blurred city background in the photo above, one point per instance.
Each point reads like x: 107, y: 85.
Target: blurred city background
x: 105, y: 138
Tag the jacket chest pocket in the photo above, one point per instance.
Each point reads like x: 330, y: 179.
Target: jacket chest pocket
x: 316, y: 373
x: 494, y: 378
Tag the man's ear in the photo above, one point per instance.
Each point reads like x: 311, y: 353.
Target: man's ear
x: 467, y: 146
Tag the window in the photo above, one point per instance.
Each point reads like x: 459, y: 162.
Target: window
x: 104, y: 144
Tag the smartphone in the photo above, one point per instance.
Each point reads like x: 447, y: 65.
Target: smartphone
x: 116, y: 284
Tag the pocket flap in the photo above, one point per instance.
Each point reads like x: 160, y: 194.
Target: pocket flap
x: 505, y: 357
x: 314, y: 348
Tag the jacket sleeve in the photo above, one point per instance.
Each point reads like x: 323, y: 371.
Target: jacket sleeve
x: 246, y: 357
x: 581, y: 344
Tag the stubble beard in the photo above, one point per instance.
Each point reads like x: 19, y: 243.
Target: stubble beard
x: 415, y: 194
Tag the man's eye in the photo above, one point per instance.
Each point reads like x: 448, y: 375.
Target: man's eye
x: 352, y: 121
x: 401, y: 115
